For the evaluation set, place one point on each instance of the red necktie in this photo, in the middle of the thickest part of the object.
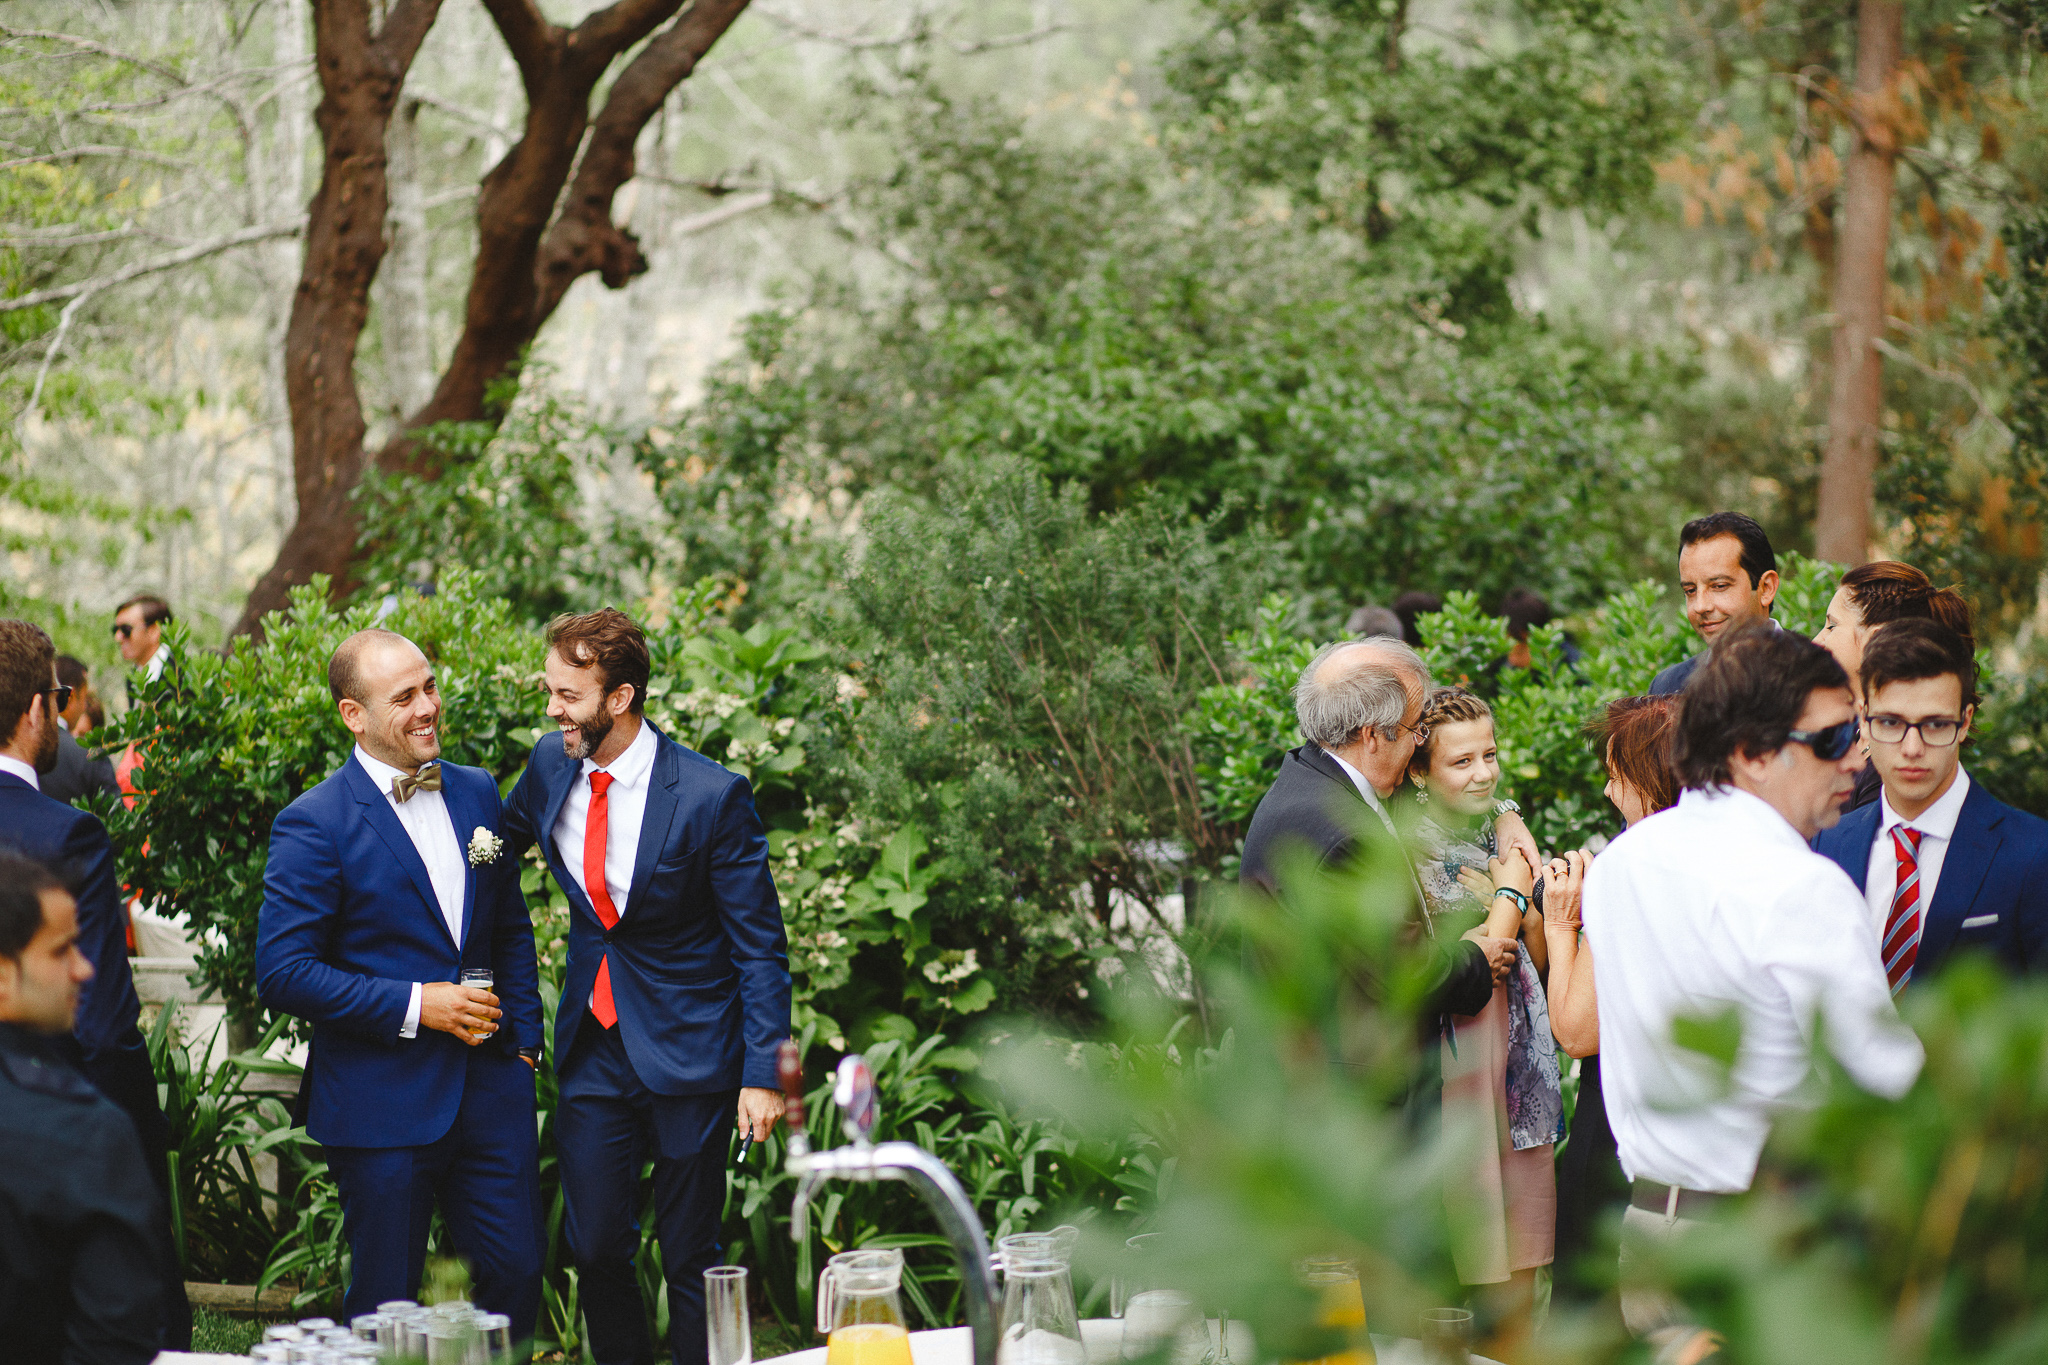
(594, 830)
(1902, 926)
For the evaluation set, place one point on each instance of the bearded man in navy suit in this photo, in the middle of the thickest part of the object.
(385, 882)
(1943, 865)
(677, 993)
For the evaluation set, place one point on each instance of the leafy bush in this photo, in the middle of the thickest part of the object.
(1540, 713)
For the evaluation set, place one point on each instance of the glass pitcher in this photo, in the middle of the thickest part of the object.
(1340, 1304)
(1038, 1324)
(859, 1309)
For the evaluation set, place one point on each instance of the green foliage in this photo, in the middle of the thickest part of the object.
(1540, 712)
(504, 502)
(1147, 333)
(1027, 669)
(1434, 145)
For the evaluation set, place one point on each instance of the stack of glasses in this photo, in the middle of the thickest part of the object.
(398, 1333)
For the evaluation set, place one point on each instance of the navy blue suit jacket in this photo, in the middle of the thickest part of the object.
(1671, 681)
(73, 844)
(350, 921)
(700, 963)
(1995, 871)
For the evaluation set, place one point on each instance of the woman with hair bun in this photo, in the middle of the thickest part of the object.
(1877, 594)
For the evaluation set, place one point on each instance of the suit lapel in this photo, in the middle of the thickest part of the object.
(1857, 838)
(377, 810)
(463, 817)
(1969, 857)
(654, 822)
(558, 792)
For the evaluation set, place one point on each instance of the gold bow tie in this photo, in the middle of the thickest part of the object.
(429, 780)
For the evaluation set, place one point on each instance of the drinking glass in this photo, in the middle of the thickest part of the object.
(310, 1326)
(451, 1339)
(1152, 1318)
(495, 1329)
(729, 1331)
(411, 1332)
(1136, 1274)
(283, 1331)
(393, 1307)
(1446, 1336)
(270, 1353)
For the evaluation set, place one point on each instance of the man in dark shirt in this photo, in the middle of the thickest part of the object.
(81, 1271)
(77, 773)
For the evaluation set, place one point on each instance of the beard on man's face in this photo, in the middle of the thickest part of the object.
(46, 750)
(591, 731)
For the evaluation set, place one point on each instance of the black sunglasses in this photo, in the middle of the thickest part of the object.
(62, 692)
(123, 631)
(1828, 745)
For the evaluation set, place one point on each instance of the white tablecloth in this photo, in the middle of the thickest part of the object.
(1103, 1337)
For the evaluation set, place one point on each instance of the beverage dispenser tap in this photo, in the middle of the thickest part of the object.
(854, 1093)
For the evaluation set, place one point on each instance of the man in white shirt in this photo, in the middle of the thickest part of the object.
(676, 998)
(1945, 867)
(385, 887)
(1718, 906)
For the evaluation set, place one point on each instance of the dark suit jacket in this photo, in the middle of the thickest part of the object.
(700, 963)
(1993, 892)
(1671, 681)
(350, 921)
(1313, 804)
(78, 772)
(73, 844)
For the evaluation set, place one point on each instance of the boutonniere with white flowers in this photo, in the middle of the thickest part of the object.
(484, 847)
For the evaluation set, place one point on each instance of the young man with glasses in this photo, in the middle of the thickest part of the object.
(1943, 865)
(1716, 906)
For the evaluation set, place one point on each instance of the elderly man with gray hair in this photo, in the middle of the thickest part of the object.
(1359, 704)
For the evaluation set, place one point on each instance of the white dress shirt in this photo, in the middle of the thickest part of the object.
(625, 803)
(17, 768)
(1937, 826)
(1718, 903)
(432, 830)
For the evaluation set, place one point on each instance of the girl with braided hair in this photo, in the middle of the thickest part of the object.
(1502, 1085)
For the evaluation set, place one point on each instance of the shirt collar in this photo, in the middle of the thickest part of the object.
(1372, 798)
(629, 767)
(1939, 819)
(155, 668)
(16, 768)
(1732, 802)
(380, 772)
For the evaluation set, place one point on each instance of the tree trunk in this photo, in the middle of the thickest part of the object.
(1856, 402)
(402, 283)
(537, 232)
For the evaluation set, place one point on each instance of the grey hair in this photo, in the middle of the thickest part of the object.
(1371, 694)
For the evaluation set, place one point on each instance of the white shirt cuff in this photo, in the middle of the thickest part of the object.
(411, 1028)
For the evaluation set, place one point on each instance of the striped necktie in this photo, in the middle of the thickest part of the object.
(1902, 926)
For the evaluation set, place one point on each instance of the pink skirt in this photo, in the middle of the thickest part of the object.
(1502, 1203)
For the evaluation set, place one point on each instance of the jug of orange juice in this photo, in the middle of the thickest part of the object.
(859, 1310)
(1341, 1304)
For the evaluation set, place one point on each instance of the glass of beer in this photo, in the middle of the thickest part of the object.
(484, 979)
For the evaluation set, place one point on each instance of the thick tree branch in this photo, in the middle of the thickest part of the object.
(584, 239)
(529, 37)
(154, 265)
(616, 27)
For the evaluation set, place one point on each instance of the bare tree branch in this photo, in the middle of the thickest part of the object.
(99, 149)
(98, 49)
(154, 265)
(969, 48)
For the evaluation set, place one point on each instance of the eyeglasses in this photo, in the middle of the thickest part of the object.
(62, 692)
(123, 631)
(1828, 745)
(1936, 732)
(1421, 732)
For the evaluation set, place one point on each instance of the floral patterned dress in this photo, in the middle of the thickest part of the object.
(1501, 1073)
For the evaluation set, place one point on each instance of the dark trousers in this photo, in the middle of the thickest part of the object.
(123, 1074)
(606, 1125)
(484, 1172)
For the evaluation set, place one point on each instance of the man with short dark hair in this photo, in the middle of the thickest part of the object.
(1728, 574)
(387, 886)
(106, 1045)
(677, 994)
(1717, 906)
(83, 1274)
(1944, 866)
(139, 633)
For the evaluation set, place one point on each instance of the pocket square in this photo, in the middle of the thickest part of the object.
(1979, 921)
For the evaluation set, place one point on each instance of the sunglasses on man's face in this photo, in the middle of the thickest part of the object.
(60, 694)
(1828, 745)
(122, 630)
